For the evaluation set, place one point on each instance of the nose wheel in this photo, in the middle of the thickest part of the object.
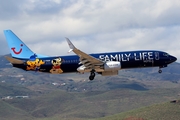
(160, 71)
(92, 75)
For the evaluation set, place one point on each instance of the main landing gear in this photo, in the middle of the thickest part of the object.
(92, 75)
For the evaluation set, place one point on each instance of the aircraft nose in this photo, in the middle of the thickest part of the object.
(173, 59)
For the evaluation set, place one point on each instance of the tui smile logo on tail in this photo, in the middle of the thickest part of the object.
(17, 52)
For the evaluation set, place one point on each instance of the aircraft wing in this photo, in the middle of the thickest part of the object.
(85, 59)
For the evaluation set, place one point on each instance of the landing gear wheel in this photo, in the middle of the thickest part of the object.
(92, 75)
(160, 71)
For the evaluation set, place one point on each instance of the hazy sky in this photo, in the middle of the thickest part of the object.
(92, 25)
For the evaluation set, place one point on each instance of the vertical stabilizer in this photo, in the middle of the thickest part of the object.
(17, 48)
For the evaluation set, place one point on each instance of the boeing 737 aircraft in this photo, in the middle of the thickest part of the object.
(101, 63)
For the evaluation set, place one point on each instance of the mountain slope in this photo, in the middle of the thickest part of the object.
(9, 112)
(164, 111)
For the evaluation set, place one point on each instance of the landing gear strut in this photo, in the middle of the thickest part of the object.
(92, 75)
(160, 71)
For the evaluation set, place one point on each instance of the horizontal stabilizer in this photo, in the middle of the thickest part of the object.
(13, 60)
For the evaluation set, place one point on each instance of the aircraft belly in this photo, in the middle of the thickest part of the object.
(137, 64)
(69, 67)
(72, 67)
(22, 66)
(159, 63)
(63, 68)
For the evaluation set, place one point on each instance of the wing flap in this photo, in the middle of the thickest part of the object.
(107, 73)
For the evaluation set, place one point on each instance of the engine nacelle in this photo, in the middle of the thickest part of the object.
(83, 69)
(112, 66)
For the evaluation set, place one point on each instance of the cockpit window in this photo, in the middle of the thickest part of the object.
(166, 54)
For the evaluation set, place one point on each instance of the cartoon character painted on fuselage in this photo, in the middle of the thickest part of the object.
(34, 65)
(56, 68)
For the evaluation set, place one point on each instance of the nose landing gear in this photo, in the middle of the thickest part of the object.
(160, 71)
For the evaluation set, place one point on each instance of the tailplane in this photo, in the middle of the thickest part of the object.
(13, 60)
(17, 48)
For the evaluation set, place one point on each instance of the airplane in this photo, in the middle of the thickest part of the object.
(105, 64)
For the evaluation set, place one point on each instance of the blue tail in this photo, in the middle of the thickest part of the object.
(17, 48)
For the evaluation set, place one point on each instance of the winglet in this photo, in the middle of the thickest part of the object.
(72, 47)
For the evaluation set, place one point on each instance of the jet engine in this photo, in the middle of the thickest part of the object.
(112, 66)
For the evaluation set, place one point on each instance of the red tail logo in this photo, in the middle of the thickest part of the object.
(17, 52)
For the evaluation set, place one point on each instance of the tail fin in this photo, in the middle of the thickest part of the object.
(17, 48)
